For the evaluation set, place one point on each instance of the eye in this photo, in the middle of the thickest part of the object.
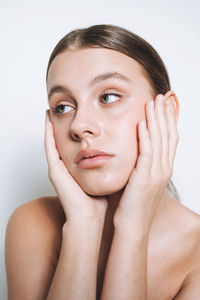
(61, 109)
(112, 97)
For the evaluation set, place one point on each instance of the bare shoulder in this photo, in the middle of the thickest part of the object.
(188, 250)
(178, 242)
(43, 216)
(45, 209)
(188, 234)
(39, 218)
(190, 220)
(32, 246)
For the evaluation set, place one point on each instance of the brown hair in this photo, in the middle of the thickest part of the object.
(122, 40)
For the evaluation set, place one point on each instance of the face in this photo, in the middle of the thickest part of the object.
(100, 114)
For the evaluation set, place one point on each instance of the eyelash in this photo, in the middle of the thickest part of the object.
(56, 108)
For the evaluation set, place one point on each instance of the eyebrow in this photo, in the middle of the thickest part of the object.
(97, 79)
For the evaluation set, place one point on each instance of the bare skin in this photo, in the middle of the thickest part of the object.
(172, 254)
(121, 223)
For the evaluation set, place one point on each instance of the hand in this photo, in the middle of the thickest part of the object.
(148, 180)
(76, 203)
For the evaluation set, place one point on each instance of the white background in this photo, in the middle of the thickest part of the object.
(29, 30)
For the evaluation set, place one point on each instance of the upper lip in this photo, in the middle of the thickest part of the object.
(88, 153)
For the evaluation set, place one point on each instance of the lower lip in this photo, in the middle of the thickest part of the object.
(93, 162)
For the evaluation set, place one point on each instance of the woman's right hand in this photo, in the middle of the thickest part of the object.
(77, 205)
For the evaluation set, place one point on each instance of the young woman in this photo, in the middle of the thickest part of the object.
(116, 229)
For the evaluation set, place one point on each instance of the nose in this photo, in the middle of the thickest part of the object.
(85, 124)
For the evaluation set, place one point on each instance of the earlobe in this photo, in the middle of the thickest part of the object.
(171, 98)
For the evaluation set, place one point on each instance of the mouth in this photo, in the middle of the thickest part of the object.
(93, 161)
(89, 153)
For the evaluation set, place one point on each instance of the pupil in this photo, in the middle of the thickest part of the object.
(60, 108)
(104, 98)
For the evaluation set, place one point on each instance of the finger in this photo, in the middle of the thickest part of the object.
(173, 133)
(49, 142)
(162, 121)
(63, 183)
(155, 137)
(143, 167)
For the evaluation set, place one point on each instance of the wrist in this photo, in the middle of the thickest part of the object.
(83, 225)
(135, 223)
(138, 230)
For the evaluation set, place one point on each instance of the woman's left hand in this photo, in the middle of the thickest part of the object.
(148, 181)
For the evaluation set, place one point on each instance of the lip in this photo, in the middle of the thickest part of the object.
(93, 162)
(88, 154)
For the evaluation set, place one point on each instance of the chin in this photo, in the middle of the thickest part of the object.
(102, 190)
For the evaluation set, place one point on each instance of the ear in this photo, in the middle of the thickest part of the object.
(171, 98)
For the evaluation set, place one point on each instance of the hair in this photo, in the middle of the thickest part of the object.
(122, 40)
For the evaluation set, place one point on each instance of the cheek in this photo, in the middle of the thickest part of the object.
(113, 176)
(128, 146)
(121, 138)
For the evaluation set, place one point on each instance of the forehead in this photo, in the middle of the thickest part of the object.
(84, 64)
